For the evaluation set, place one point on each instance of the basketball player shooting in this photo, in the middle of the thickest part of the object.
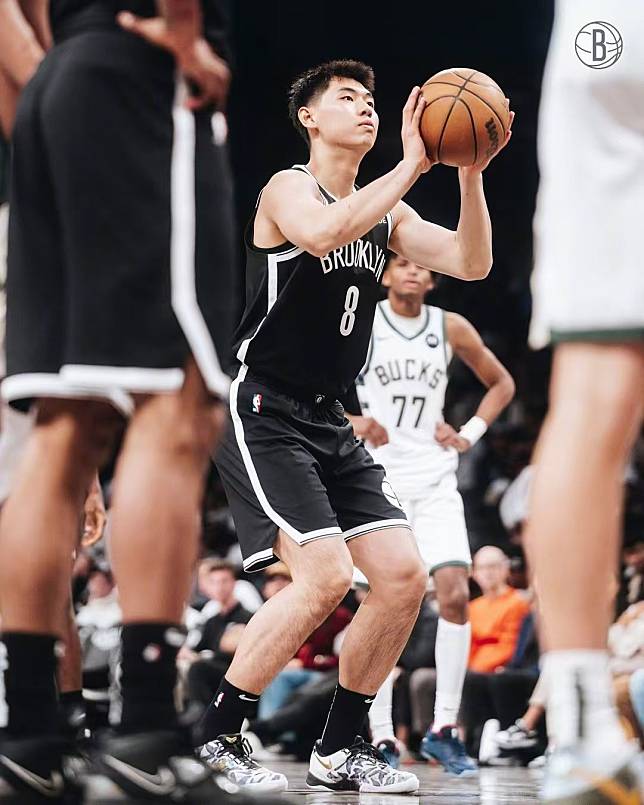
(401, 394)
(299, 485)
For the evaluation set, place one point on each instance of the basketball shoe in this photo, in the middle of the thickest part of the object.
(231, 756)
(36, 770)
(447, 748)
(359, 767)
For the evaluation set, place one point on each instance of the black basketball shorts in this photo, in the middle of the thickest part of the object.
(121, 225)
(296, 465)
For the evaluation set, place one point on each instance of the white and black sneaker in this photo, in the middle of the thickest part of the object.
(517, 736)
(157, 766)
(360, 767)
(35, 770)
(231, 756)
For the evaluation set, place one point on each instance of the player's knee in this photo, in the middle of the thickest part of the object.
(453, 604)
(333, 582)
(410, 580)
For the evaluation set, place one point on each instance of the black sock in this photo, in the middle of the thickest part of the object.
(226, 712)
(346, 717)
(149, 675)
(30, 683)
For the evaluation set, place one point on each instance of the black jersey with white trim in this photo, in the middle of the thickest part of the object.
(307, 322)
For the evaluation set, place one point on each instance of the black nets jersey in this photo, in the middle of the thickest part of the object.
(307, 322)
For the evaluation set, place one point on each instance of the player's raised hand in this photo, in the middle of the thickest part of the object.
(208, 74)
(508, 134)
(414, 150)
(369, 430)
(446, 436)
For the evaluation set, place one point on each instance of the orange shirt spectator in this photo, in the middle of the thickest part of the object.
(497, 615)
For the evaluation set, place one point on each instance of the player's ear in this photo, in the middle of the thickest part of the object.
(306, 117)
(386, 282)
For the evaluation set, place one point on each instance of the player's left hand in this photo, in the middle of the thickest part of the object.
(483, 165)
(95, 518)
(446, 436)
(198, 62)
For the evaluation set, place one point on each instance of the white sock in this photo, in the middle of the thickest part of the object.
(452, 654)
(380, 722)
(581, 704)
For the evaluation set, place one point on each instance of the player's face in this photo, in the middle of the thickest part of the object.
(344, 114)
(219, 585)
(407, 280)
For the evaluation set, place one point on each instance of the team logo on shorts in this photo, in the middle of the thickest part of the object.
(388, 492)
(257, 403)
(432, 340)
(599, 45)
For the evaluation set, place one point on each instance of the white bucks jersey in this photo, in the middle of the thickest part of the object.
(402, 386)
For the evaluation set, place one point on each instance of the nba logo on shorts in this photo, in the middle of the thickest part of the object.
(257, 403)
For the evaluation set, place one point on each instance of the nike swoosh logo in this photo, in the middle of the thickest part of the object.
(245, 698)
(48, 787)
(326, 763)
(163, 782)
(612, 789)
(370, 701)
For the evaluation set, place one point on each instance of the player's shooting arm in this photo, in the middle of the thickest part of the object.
(465, 253)
(469, 346)
(20, 49)
(292, 202)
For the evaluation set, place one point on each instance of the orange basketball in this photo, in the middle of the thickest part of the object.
(466, 117)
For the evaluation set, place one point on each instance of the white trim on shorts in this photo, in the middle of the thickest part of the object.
(376, 525)
(183, 246)
(134, 379)
(297, 536)
(182, 281)
(44, 384)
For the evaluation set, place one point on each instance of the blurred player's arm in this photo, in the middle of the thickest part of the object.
(179, 30)
(365, 427)
(469, 346)
(24, 37)
(291, 208)
(21, 51)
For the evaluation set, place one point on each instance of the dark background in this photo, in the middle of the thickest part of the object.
(406, 43)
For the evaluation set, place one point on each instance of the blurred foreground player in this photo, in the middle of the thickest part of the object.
(300, 486)
(401, 393)
(589, 299)
(118, 291)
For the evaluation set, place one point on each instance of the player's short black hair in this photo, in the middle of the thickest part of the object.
(316, 79)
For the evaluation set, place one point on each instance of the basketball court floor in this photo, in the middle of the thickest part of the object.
(493, 786)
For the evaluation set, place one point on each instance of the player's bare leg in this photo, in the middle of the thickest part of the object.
(38, 533)
(158, 490)
(321, 573)
(452, 653)
(597, 394)
(372, 645)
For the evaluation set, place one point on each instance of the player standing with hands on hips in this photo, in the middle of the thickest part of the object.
(300, 486)
(401, 395)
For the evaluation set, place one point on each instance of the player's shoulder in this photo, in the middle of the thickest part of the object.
(289, 178)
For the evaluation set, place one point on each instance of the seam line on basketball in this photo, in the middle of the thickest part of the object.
(474, 137)
(447, 117)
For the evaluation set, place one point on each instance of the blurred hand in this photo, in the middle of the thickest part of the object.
(414, 150)
(446, 436)
(195, 58)
(95, 517)
(369, 430)
(483, 165)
